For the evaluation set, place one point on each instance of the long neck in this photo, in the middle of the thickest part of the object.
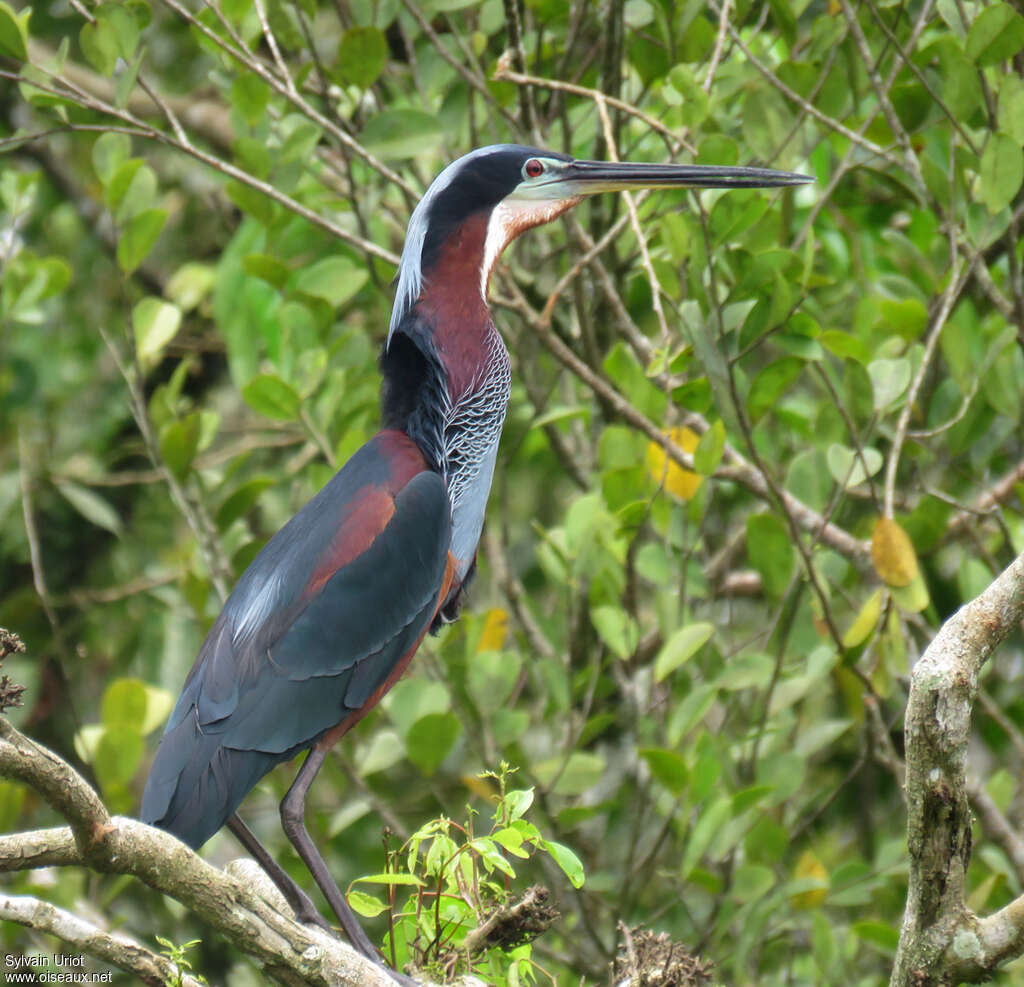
(448, 380)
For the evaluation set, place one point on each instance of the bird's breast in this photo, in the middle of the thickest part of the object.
(471, 436)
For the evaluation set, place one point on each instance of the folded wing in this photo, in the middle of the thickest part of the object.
(318, 626)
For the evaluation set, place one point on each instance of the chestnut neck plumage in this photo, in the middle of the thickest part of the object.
(447, 380)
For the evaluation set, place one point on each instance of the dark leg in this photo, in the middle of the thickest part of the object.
(300, 902)
(293, 821)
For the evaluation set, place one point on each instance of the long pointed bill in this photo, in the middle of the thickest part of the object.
(590, 177)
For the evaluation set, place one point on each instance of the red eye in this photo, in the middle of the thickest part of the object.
(533, 168)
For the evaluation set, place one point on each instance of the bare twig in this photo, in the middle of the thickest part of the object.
(957, 279)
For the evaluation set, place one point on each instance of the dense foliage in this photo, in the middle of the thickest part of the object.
(699, 672)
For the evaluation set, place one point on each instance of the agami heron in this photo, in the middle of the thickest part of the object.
(327, 616)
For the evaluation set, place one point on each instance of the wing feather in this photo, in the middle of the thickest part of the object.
(316, 626)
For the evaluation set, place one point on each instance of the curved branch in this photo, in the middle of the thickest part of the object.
(292, 953)
(939, 935)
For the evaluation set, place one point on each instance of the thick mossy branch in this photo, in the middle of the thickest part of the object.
(941, 942)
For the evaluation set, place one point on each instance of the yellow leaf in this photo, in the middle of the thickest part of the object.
(492, 638)
(677, 481)
(810, 868)
(480, 787)
(893, 554)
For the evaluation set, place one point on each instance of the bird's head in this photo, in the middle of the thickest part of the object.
(510, 188)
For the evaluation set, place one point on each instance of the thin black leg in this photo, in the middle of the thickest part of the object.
(300, 902)
(293, 821)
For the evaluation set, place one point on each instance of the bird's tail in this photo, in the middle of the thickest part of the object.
(196, 783)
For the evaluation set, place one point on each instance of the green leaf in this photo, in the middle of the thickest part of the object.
(961, 87)
(574, 776)
(241, 501)
(491, 677)
(511, 840)
(617, 629)
(748, 797)
(996, 34)
(707, 827)
(122, 20)
(159, 703)
(138, 238)
(567, 860)
(155, 323)
(413, 698)
(271, 396)
(708, 454)
(362, 55)
(518, 802)
(880, 934)
(301, 142)
(365, 904)
(706, 771)
(402, 134)
(667, 767)
(91, 506)
(14, 32)
(267, 268)
(132, 190)
(820, 735)
(694, 100)
(865, 621)
(749, 671)
(56, 276)
(190, 284)
(127, 79)
(334, 279)
(752, 881)
(844, 346)
(118, 755)
(124, 703)
(383, 750)
(392, 880)
(914, 597)
(251, 201)
(1002, 171)
(1011, 107)
(848, 468)
(250, 96)
(179, 442)
(771, 384)
(431, 740)
(101, 46)
(681, 647)
(770, 552)
(889, 379)
(108, 154)
(766, 120)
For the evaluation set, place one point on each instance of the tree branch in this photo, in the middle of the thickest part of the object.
(941, 942)
(291, 953)
(114, 948)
